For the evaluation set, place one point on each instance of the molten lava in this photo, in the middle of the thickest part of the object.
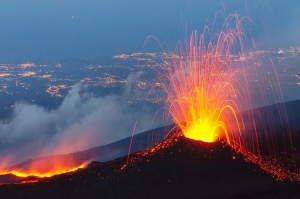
(203, 88)
(37, 173)
(208, 86)
(45, 167)
(208, 133)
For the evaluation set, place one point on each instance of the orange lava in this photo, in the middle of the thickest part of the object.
(45, 167)
(37, 173)
(203, 88)
(209, 97)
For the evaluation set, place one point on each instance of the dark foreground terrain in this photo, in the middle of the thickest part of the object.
(175, 168)
(104, 153)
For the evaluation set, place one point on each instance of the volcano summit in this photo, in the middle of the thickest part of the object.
(176, 167)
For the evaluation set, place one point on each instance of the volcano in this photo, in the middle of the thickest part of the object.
(175, 167)
(46, 165)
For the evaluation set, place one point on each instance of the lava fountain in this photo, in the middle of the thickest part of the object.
(208, 86)
(203, 88)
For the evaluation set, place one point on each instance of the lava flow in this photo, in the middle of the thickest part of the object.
(209, 97)
(45, 167)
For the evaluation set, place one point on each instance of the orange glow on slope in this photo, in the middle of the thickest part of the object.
(37, 173)
(45, 167)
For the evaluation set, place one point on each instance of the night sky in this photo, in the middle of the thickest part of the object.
(37, 30)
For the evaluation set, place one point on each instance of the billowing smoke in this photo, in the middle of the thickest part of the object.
(77, 124)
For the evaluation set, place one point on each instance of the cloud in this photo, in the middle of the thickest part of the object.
(78, 124)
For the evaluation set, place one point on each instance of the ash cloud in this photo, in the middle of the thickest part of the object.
(78, 124)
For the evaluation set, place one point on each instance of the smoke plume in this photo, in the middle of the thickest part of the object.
(77, 124)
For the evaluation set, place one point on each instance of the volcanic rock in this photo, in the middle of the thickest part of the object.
(177, 167)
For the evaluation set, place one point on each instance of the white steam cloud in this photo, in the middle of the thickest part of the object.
(77, 124)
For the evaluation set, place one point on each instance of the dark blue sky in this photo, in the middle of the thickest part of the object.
(57, 29)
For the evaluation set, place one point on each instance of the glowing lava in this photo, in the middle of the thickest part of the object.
(208, 87)
(203, 88)
(45, 167)
(40, 174)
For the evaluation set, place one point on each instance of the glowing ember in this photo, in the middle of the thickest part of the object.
(37, 173)
(204, 86)
(209, 97)
(45, 167)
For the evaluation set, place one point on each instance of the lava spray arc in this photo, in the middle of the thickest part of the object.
(209, 87)
(204, 86)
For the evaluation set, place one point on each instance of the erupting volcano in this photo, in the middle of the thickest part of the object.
(203, 89)
(206, 86)
(210, 97)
